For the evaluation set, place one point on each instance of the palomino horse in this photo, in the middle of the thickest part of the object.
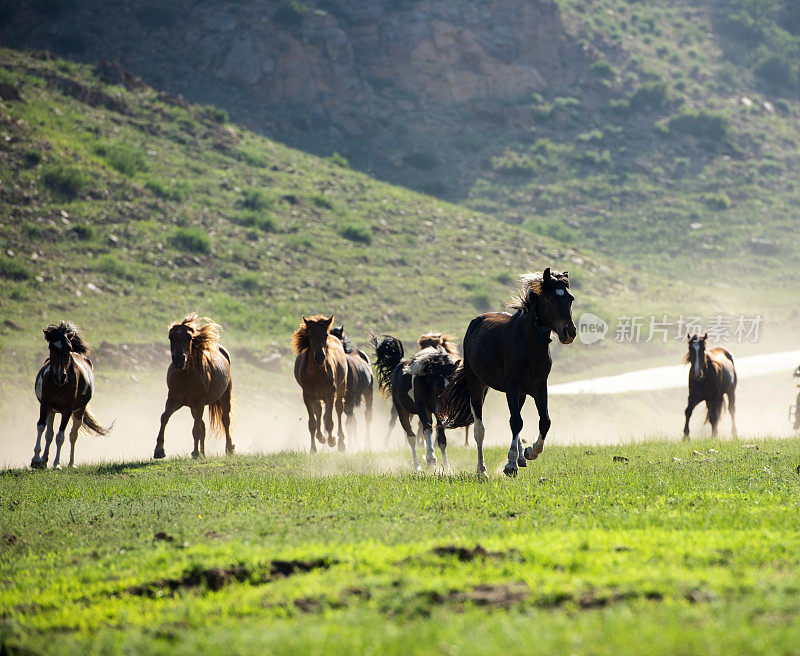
(198, 376)
(415, 386)
(321, 371)
(64, 384)
(511, 353)
(712, 375)
(360, 383)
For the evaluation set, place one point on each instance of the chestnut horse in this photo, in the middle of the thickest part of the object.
(321, 371)
(198, 376)
(711, 377)
(360, 384)
(64, 385)
(415, 386)
(511, 353)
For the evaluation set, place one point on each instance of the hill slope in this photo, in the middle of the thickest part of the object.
(124, 208)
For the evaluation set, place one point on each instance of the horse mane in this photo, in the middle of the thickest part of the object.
(69, 331)
(300, 339)
(347, 344)
(205, 336)
(530, 286)
(428, 361)
(439, 340)
(687, 358)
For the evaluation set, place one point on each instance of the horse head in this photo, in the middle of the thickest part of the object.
(64, 339)
(696, 356)
(555, 308)
(180, 344)
(317, 330)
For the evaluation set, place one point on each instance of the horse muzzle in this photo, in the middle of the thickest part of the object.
(60, 378)
(179, 361)
(567, 334)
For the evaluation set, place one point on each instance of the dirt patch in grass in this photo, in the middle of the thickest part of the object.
(216, 578)
(466, 555)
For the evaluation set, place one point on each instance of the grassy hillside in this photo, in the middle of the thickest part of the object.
(123, 208)
(677, 151)
(673, 548)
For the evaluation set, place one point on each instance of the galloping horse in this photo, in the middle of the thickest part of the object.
(415, 386)
(511, 353)
(64, 384)
(360, 383)
(198, 376)
(321, 371)
(711, 376)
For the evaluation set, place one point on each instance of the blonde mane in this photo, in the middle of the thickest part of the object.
(530, 286)
(300, 340)
(205, 336)
(439, 340)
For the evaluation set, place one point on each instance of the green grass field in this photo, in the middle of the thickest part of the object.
(680, 549)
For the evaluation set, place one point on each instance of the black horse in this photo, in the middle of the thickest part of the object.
(511, 353)
(712, 377)
(360, 383)
(415, 385)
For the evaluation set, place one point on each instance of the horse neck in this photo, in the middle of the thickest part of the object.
(537, 337)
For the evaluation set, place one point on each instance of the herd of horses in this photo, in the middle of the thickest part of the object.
(505, 351)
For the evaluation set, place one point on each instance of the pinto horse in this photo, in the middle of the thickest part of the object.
(199, 375)
(711, 377)
(64, 385)
(360, 383)
(415, 386)
(511, 354)
(320, 369)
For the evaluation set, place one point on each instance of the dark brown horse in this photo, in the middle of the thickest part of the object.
(198, 376)
(712, 376)
(511, 353)
(64, 385)
(415, 386)
(360, 384)
(321, 371)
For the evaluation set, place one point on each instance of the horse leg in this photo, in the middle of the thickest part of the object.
(340, 424)
(512, 397)
(476, 397)
(426, 426)
(540, 398)
(466, 436)
(318, 416)
(169, 409)
(48, 438)
(411, 438)
(797, 413)
(225, 406)
(368, 396)
(713, 415)
(392, 422)
(44, 418)
(77, 421)
(198, 432)
(441, 440)
(691, 404)
(328, 419)
(60, 437)
(350, 414)
(313, 421)
(732, 411)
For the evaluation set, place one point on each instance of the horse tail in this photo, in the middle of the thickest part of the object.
(456, 410)
(716, 406)
(215, 418)
(389, 353)
(91, 426)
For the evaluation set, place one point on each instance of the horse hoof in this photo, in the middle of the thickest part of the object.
(56, 466)
(431, 461)
(342, 447)
(38, 464)
(231, 450)
(482, 475)
(159, 453)
(320, 438)
(510, 469)
(195, 455)
(522, 462)
(531, 453)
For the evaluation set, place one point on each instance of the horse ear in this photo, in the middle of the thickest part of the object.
(546, 278)
(688, 337)
(330, 321)
(305, 321)
(705, 337)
